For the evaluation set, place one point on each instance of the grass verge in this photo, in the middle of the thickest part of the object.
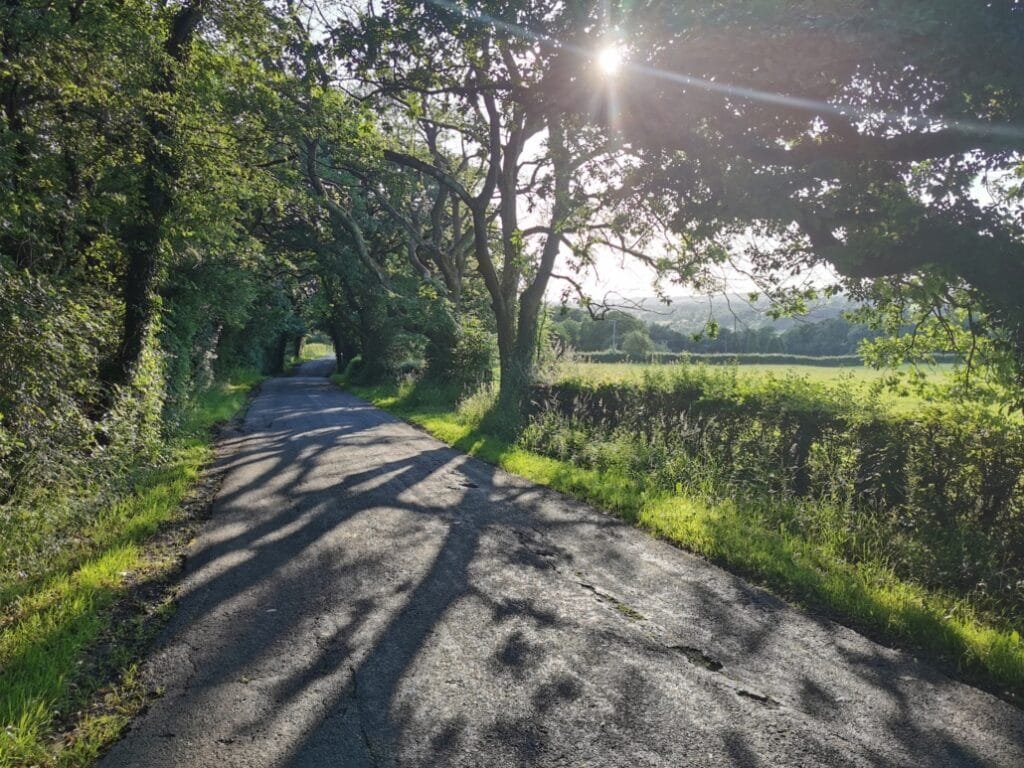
(867, 596)
(69, 646)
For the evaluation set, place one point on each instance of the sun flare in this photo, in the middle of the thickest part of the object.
(610, 59)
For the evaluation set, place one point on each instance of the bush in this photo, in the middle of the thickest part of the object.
(476, 406)
(411, 368)
(940, 494)
(56, 425)
(64, 445)
(351, 369)
(464, 360)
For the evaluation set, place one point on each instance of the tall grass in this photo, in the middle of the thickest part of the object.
(49, 622)
(936, 494)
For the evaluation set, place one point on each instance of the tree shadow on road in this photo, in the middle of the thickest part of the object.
(262, 574)
(342, 544)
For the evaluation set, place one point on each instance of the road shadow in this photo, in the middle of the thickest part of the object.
(344, 549)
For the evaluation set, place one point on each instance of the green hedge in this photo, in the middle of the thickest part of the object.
(669, 358)
(941, 490)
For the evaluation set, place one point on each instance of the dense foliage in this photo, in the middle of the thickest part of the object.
(936, 494)
(190, 188)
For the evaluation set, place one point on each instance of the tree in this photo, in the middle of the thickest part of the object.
(142, 236)
(880, 137)
(139, 278)
(637, 344)
(472, 84)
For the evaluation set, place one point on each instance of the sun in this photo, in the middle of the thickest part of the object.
(610, 59)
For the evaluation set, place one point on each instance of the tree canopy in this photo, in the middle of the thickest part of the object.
(883, 139)
(188, 187)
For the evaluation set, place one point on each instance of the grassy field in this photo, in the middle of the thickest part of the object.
(897, 389)
(860, 377)
(745, 536)
(51, 680)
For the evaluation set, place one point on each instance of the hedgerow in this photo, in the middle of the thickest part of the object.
(739, 358)
(937, 495)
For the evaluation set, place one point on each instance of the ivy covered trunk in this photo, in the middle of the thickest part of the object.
(142, 239)
(516, 377)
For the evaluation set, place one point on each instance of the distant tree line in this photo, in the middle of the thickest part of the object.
(623, 332)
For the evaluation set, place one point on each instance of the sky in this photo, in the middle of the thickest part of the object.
(617, 277)
(613, 276)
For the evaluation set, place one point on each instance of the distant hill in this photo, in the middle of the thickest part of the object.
(743, 327)
(689, 314)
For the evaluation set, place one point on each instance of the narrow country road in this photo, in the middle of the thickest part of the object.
(365, 596)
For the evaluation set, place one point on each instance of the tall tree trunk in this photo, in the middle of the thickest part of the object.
(142, 239)
(514, 367)
(279, 354)
(344, 350)
(519, 352)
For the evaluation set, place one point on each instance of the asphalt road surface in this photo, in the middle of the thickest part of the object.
(366, 596)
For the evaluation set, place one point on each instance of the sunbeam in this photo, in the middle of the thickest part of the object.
(811, 106)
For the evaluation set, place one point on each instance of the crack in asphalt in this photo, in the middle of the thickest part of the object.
(760, 698)
(626, 610)
(698, 658)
